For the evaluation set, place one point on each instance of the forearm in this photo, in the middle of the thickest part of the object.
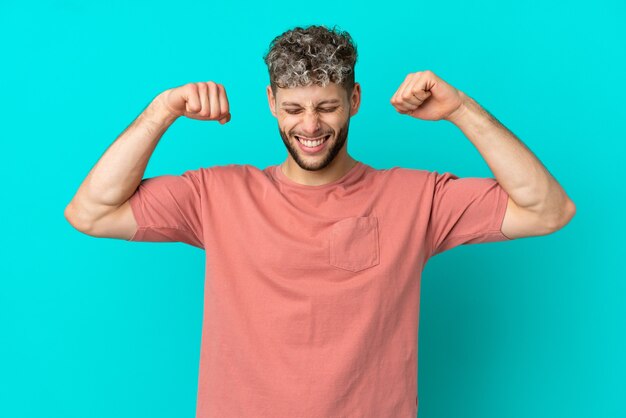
(515, 167)
(117, 174)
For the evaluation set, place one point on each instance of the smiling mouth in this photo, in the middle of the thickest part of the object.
(312, 142)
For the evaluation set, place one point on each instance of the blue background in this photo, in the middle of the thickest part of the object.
(92, 327)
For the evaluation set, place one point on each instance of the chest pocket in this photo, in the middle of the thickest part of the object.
(354, 243)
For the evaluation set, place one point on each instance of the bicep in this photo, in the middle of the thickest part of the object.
(119, 223)
(519, 222)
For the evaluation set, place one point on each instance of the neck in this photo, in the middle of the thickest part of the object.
(338, 168)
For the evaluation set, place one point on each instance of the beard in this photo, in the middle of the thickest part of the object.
(334, 145)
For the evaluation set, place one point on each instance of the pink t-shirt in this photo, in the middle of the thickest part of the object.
(311, 303)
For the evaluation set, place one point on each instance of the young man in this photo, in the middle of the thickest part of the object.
(313, 266)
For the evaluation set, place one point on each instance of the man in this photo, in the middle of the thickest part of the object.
(313, 266)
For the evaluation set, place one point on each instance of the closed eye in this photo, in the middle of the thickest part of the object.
(325, 110)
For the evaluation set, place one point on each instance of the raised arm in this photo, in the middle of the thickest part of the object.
(537, 203)
(100, 206)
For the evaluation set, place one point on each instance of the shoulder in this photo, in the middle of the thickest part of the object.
(412, 177)
(227, 173)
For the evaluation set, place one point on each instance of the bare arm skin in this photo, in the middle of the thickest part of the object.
(537, 203)
(100, 206)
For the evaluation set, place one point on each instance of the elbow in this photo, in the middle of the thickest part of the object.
(72, 216)
(564, 216)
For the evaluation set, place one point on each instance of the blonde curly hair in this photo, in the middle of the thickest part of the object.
(317, 55)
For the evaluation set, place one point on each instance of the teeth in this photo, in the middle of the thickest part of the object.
(311, 143)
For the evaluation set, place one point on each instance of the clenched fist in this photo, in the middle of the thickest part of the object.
(424, 95)
(202, 101)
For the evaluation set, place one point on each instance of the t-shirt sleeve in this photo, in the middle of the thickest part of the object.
(466, 210)
(168, 208)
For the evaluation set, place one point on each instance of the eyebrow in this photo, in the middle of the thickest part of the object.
(332, 101)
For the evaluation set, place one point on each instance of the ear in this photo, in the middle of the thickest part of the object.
(355, 100)
(271, 100)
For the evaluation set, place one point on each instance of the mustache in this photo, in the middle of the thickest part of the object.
(312, 136)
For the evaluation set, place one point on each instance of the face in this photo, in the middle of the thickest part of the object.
(313, 122)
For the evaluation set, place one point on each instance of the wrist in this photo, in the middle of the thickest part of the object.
(460, 112)
(160, 112)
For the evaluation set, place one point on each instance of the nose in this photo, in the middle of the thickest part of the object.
(310, 123)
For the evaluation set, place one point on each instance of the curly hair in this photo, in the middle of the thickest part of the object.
(316, 55)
